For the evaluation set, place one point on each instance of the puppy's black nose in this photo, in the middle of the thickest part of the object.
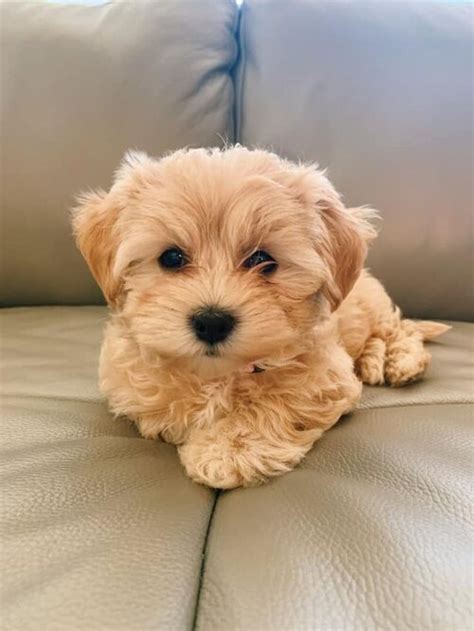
(212, 325)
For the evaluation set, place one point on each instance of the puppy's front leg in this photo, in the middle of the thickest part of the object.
(268, 434)
(228, 454)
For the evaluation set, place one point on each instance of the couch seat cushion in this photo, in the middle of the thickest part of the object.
(103, 530)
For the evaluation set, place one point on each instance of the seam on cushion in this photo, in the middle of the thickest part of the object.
(232, 70)
(16, 398)
(410, 405)
(52, 397)
(203, 560)
(238, 75)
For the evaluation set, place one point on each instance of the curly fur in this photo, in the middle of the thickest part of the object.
(317, 327)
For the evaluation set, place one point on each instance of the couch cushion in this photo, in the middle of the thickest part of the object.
(372, 532)
(79, 86)
(100, 528)
(103, 530)
(382, 94)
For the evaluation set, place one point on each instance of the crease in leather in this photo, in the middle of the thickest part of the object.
(53, 397)
(46, 449)
(100, 403)
(71, 517)
(232, 69)
(415, 404)
(202, 569)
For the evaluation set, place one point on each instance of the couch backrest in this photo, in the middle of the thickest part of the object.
(79, 86)
(381, 93)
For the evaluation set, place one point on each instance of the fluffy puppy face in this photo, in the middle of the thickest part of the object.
(214, 260)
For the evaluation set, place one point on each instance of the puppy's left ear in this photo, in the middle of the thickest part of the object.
(342, 234)
(343, 245)
(94, 224)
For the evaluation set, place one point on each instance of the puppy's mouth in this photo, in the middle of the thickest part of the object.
(212, 352)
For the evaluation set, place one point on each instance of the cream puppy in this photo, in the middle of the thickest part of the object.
(242, 322)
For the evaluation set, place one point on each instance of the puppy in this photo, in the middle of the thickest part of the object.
(242, 322)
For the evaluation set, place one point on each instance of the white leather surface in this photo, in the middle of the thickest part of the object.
(101, 529)
(372, 532)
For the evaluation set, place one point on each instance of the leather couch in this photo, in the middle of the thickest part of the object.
(100, 528)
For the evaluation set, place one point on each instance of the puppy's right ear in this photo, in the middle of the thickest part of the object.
(94, 223)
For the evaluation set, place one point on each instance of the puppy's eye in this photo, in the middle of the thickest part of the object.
(173, 258)
(261, 258)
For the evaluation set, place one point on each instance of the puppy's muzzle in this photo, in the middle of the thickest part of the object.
(212, 325)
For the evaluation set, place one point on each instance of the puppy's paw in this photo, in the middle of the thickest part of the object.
(370, 365)
(232, 463)
(219, 466)
(208, 467)
(149, 427)
(404, 366)
(207, 464)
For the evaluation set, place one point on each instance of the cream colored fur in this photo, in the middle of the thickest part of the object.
(318, 326)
